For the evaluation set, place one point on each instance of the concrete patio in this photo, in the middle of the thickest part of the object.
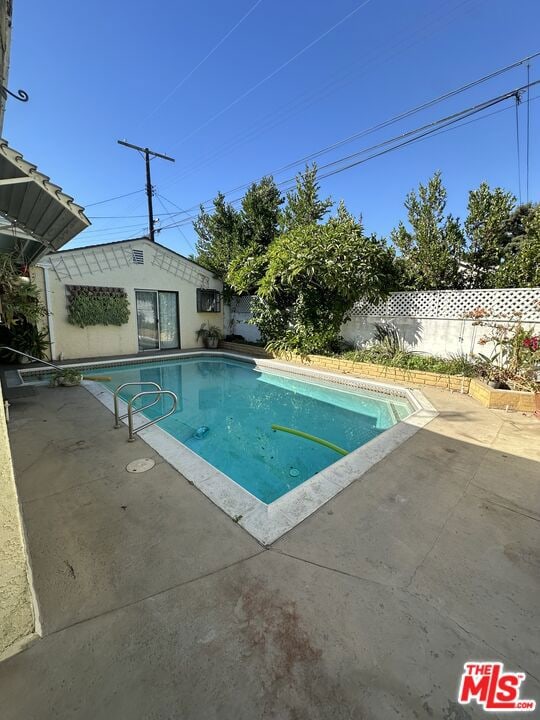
(155, 605)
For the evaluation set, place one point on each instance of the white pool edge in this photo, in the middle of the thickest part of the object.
(267, 523)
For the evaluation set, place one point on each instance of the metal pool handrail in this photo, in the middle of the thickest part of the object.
(43, 362)
(130, 412)
(140, 383)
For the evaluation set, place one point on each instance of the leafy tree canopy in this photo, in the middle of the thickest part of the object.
(432, 248)
(260, 212)
(220, 236)
(225, 233)
(304, 206)
(488, 229)
(522, 268)
(310, 278)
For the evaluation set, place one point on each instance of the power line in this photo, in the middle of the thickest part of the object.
(117, 197)
(401, 140)
(518, 147)
(122, 217)
(160, 199)
(528, 125)
(305, 100)
(387, 123)
(272, 74)
(438, 131)
(201, 62)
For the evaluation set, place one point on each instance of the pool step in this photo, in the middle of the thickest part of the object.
(12, 379)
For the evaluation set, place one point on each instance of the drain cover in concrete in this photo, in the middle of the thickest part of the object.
(141, 465)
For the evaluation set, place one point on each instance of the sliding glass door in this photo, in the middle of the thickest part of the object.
(147, 319)
(168, 320)
(157, 320)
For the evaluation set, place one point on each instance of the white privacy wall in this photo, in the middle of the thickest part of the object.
(431, 321)
(236, 317)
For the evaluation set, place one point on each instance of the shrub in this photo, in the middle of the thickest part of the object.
(379, 354)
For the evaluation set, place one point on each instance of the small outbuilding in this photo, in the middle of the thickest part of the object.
(125, 297)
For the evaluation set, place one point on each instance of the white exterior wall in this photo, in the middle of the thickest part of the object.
(16, 611)
(237, 319)
(432, 322)
(112, 266)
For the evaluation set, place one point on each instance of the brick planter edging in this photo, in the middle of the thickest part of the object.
(501, 399)
(479, 390)
(350, 367)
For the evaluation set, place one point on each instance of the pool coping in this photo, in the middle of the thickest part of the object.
(268, 522)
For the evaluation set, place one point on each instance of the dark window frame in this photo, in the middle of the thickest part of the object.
(212, 304)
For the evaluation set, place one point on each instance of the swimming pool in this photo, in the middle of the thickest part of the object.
(227, 408)
(266, 481)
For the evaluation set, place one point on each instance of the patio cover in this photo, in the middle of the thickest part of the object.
(40, 217)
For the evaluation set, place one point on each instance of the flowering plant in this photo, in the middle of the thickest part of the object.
(515, 350)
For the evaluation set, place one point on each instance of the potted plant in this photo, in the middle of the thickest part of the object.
(213, 337)
(210, 335)
(70, 377)
(202, 334)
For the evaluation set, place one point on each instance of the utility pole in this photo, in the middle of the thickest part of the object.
(146, 152)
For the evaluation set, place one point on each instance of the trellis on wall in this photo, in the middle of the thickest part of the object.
(455, 304)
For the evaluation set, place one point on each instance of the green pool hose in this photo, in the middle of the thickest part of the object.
(307, 436)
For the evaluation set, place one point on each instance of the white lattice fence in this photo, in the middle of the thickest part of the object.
(454, 304)
(433, 322)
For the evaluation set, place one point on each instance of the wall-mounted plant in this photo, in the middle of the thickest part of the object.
(89, 305)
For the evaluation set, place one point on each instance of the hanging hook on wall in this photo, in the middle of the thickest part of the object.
(21, 95)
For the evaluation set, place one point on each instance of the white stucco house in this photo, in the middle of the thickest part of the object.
(168, 296)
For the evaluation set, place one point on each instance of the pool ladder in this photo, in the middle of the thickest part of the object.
(158, 392)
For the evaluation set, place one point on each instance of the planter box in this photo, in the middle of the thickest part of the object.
(253, 350)
(501, 399)
(349, 367)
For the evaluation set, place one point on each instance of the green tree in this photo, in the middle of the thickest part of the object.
(431, 249)
(522, 267)
(309, 280)
(303, 205)
(488, 229)
(220, 236)
(260, 212)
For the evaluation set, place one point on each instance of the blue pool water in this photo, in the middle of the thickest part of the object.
(238, 403)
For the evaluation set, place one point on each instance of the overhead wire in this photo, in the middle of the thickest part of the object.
(117, 197)
(387, 123)
(309, 98)
(160, 199)
(200, 63)
(272, 74)
(528, 145)
(518, 153)
(437, 131)
(402, 140)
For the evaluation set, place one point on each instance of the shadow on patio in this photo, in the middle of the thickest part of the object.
(155, 604)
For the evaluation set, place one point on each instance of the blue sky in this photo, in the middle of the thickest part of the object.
(97, 72)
